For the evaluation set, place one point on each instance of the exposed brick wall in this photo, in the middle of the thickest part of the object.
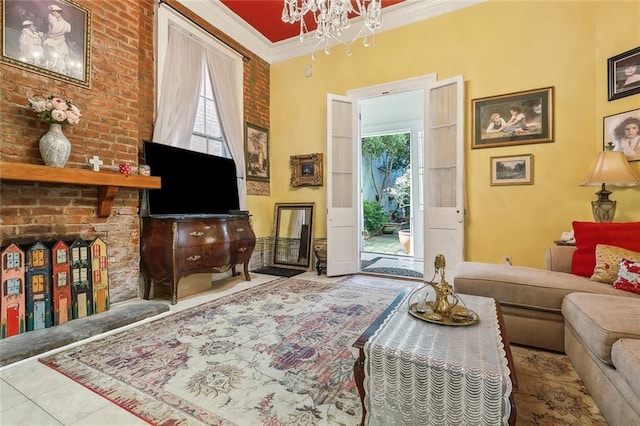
(117, 114)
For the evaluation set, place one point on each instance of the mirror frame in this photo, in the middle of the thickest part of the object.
(279, 207)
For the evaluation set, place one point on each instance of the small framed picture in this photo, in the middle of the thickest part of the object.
(513, 119)
(623, 131)
(512, 170)
(51, 38)
(623, 72)
(256, 145)
(306, 170)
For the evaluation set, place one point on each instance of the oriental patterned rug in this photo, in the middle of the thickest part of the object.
(280, 354)
(277, 354)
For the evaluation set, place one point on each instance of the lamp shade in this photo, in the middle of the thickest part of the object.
(611, 168)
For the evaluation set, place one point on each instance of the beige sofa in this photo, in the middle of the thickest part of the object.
(598, 326)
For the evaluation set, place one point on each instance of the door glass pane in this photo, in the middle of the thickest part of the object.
(342, 156)
(442, 147)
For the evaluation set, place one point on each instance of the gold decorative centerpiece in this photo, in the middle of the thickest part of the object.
(442, 305)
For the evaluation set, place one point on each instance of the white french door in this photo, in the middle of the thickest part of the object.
(343, 243)
(441, 175)
(444, 175)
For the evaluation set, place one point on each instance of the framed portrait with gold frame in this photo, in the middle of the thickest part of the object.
(306, 170)
(52, 38)
(513, 119)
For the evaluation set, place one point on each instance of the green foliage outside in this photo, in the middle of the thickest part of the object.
(393, 151)
(374, 217)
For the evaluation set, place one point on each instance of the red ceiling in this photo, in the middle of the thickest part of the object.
(265, 17)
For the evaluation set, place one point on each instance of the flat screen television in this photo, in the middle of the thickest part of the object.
(192, 183)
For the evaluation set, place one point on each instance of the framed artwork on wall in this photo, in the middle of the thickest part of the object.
(513, 119)
(623, 74)
(256, 145)
(51, 38)
(512, 170)
(623, 131)
(306, 170)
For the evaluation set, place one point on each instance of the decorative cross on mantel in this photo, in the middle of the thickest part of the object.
(97, 162)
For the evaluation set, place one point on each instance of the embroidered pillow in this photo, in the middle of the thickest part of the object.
(628, 276)
(607, 260)
(589, 234)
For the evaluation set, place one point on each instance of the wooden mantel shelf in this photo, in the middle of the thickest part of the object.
(108, 183)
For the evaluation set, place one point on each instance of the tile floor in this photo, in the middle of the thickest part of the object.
(388, 250)
(34, 394)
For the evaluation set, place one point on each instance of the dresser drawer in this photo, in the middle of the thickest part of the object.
(199, 233)
(203, 257)
(240, 229)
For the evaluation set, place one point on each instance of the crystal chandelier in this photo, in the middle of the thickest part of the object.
(332, 19)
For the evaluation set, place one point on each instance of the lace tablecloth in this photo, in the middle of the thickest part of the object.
(419, 373)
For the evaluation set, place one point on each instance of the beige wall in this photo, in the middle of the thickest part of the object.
(499, 47)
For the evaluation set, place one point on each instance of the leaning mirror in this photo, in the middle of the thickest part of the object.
(293, 229)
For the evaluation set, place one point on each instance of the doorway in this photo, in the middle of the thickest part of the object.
(437, 175)
(391, 128)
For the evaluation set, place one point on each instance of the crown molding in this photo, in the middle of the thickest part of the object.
(398, 15)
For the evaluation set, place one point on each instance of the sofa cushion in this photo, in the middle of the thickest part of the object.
(525, 287)
(625, 354)
(607, 259)
(589, 234)
(628, 278)
(600, 320)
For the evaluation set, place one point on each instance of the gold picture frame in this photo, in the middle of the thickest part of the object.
(512, 170)
(532, 113)
(26, 42)
(306, 170)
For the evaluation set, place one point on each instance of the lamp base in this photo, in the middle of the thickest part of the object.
(603, 208)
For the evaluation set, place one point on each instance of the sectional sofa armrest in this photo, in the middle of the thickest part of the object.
(558, 258)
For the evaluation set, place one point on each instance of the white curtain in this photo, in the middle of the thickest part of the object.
(226, 82)
(179, 89)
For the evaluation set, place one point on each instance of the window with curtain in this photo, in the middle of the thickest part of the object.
(207, 133)
(199, 93)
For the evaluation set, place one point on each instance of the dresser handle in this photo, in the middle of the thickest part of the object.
(196, 233)
(240, 229)
(193, 258)
(242, 249)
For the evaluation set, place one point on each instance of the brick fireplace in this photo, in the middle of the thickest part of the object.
(117, 114)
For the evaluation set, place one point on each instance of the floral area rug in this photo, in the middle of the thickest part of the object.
(276, 354)
(550, 392)
(280, 354)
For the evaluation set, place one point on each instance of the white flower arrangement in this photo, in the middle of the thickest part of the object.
(56, 110)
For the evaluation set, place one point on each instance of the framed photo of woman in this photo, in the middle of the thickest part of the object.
(623, 131)
(624, 74)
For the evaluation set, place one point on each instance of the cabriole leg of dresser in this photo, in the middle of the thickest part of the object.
(174, 295)
(246, 271)
(147, 288)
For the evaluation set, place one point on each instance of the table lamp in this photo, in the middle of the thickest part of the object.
(609, 167)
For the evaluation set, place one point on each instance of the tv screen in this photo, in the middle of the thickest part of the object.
(192, 183)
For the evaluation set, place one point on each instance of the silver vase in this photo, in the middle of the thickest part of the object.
(55, 148)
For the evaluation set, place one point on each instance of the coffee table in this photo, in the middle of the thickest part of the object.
(359, 364)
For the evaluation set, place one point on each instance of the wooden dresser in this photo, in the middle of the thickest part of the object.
(173, 247)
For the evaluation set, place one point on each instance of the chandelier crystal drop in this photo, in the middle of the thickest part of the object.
(332, 20)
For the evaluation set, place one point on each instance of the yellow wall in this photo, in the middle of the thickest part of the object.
(499, 47)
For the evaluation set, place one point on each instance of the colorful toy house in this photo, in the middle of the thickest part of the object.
(12, 298)
(81, 294)
(38, 286)
(61, 274)
(99, 275)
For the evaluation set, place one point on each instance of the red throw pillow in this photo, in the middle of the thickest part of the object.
(628, 276)
(589, 234)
